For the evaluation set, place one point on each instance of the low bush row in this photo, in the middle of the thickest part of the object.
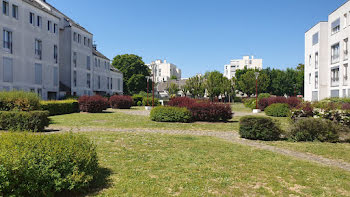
(203, 110)
(60, 107)
(19, 101)
(93, 104)
(292, 102)
(121, 102)
(34, 121)
(171, 114)
(44, 165)
(141, 100)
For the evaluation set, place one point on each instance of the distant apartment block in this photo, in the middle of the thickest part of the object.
(163, 70)
(247, 61)
(326, 57)
(46, 52)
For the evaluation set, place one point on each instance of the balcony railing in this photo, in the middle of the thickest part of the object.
(335, 82)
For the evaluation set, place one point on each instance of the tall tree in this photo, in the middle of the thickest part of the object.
(214, 83)
(130, 65)
(247, 83)
(173, 89)
(195, 86)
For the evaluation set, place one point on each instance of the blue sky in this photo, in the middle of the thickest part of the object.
(201, 35)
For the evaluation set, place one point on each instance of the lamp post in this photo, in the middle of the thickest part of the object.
(148, 77)
(153, 73)
(256, 85)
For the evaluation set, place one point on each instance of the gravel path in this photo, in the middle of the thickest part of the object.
(228, 136)
(136, 112)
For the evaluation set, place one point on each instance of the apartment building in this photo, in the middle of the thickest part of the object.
(29, 52)
(247, 61)
(106, 80)
(326, 57)
(164, 71)
(47, 52)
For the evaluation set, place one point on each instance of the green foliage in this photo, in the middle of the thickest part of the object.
(150, 100)
(19, 101)
(237, 99)
(315, 129)
(170, 114)
(173, 77)
(60, 107)
(247, 82)
(195, 86)
(173, 89)
(130, 65)
(214, 83)
(259, 128)
(278, 110)
(263, 95)
(43, 165)
(250, 103)
(139, 103)
(34, 121)
(137, 98)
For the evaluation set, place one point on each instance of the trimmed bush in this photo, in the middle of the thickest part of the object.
(278, 110)
(60, 107)
(19, 101)
(259, 128)
(150, 100)
(316, 129)
(44, 165)
(34, 121)
(263, 103)
(181, 102)
(211, 112)
(121, 102)
(93, 104)
(137, 98)
(170, 114)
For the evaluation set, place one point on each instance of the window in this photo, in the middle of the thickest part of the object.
(119, 84)
(335, 76)
(315, 39)
(31, 18)
(309, 78)
(38, 21)
(49, 24)
(99, 63)
(335, 26)
(105, 65)
(75, 37)
(5, 8)
(75, 78)
(8, 70)
(345, 73)
(95, 62)
(15, 11)
(345, 20)
(38, 74)
(88, 80)
(55, 53)
(316, 80)
(310, 60)
(335, 53)
(88, 63)
(88, 42)
(316, 60)
(107, 82)
(79, 38)
(54, 28)
(75, 59)
(38, 49)
(111, 83)
(99, 82)
(7, 40)
(55, 76)
(84, 41)
(346, 51)
(160, 72)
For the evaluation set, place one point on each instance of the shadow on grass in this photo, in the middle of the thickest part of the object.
(102, 181)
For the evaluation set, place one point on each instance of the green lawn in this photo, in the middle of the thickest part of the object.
(339, 151)
(239, 107)
(168, 165)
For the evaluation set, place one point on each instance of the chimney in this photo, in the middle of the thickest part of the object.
(94, 46)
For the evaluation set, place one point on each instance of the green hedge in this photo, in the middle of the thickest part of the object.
(44, 165)
(60, 107)
(19, 101)
(170, 114)
(150, 99)
(259, 128)
(34, 121)
(317, 129)
(137, 98)
(278, 110)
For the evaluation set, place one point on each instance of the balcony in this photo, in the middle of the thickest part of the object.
(335, 59)
(345, 80)
(335, 82)
(346, 55)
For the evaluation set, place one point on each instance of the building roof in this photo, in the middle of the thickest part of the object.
(99, 54)
(40, 7)
(162, 86)
(115, 70)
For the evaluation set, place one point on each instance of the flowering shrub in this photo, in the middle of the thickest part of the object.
(121, 102)
(93, 104)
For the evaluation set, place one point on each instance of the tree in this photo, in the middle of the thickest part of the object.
(195, 86)
(247, 82)
(129, 65)
(214, 83)
(173, 77)
(300, 79)
(173, 89)
(228, 88)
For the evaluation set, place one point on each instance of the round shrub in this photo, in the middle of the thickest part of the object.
(259, 128)
(137, 98)
(139, 103)
(19, 101)
(264, 95)
(278, 110)
(93, 104)
(121, 102)
(44, 165)
(316, 129)
(170, 114)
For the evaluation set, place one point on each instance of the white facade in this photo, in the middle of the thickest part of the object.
(29, 49)
(326, 57)
(249, 62)
(163, 71)
(45, 51)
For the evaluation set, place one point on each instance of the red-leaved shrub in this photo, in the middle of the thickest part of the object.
(93, 104)
(263, 103)
(121, 102)
(204, 110)
(346, 106)
(293, 102)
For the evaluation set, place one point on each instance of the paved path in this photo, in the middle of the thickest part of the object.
(228, 136)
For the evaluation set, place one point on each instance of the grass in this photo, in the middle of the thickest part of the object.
(168, 165)
(239, 107)
(338, 151)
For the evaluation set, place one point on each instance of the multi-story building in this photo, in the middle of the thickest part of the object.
(45, 51)
(29, 51)
(247, 61)
(164, 71)
(326, 57)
